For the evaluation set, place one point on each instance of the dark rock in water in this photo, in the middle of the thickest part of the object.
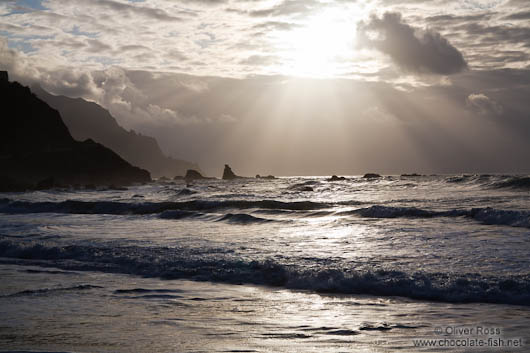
(228, 174)
(306, 188)
(411, 175)
(265, 177)
(336, 178)
(36, 145)
(178, 177)
(371, 176)
(192, 174)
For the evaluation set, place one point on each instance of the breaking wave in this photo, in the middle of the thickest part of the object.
(124, 208)
(493, 181)
(182, 263)
(486, 215)
(242, 218)
(522, 183)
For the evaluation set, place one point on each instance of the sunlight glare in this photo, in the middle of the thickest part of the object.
(320, 48)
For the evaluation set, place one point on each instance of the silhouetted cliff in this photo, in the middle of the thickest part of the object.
(35, 144)
(89, 120)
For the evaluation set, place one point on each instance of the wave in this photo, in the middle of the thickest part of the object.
(180, 214)
(147, 291)
(492, 181)
(123, 208)
(181, 263)
(186, 192)
(522, 183)
(242, 218)
(486, 215)
(42, 291)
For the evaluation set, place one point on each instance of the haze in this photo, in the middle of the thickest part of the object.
(293, 87)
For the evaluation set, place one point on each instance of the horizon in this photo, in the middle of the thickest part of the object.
(289, 87)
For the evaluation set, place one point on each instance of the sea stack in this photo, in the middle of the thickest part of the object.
(228, 174)
(192, 174)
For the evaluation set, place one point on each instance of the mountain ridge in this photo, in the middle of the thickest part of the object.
(36, 148)
(87, 119)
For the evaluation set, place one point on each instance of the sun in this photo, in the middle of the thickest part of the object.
(319, 48)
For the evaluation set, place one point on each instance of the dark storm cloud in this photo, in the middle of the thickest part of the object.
(413, 50)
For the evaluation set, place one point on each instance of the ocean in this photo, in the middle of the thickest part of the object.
(294, 264)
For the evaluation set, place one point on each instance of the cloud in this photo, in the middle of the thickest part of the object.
(497, 34)
(483, 104)
(288, 8)
(412, 49)
(277, 25)
(260, 60)
(523, 15)
(128, 9)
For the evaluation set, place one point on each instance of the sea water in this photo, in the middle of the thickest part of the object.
(298, 264)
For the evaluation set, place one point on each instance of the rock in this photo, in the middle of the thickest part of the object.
(228, 174)
(8, 184)
(4, 76)
(411, 175)
(47, 183)
(117, 188)
(265, 177)
(36, 145)
(371, 176)
(336, 178)
(306, 188)
(192, 174)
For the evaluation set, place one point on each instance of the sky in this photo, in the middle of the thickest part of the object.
(293, 87)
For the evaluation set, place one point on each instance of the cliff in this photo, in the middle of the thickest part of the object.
(35, 144)
(88, 120)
